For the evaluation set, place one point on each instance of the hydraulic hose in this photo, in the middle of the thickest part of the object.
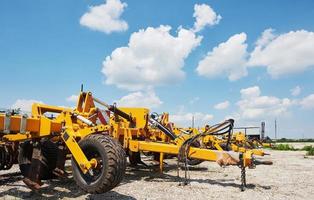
(153, 120)
(115, 110)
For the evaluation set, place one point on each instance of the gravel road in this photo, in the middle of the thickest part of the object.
(291, 177)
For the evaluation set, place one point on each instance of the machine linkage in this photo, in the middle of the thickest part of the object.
(98, 140)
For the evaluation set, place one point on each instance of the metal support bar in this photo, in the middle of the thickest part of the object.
(23, 124)
(196, 153)
(83, 119)
(7, 123)
(115, 110)
(76, 151)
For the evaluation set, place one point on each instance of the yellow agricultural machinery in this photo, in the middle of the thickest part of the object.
(211, 138)
(41, 142)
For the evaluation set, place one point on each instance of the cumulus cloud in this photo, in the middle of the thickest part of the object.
(147, 99)
(185, 119)
(308, 102)
(223, 105)
(24, 104)
(72, 98)
(227, 59)
(250, 93)
(105, 17)
(288, 53)
(253, 106)
(204, 16)
(295, 91)
(153, 57)
(266, 38)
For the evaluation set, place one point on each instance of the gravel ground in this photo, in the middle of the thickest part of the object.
(291, 177)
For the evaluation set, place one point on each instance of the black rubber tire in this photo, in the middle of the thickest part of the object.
(193, 162)
(48, 164)
(113, 167)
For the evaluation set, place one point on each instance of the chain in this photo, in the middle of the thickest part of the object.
(243, 178)
(183, 156)
(243, 174)
(186, 172)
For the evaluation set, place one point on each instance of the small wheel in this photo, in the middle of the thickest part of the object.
(2, 158)
(194, 162)
(9, 157)
(111, 164)
(49, 153)
(191, 161)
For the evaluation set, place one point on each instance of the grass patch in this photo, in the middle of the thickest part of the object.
(295, 140)
(284, 147)
(309, 149)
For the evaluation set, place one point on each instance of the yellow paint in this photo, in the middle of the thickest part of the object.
(137, 136)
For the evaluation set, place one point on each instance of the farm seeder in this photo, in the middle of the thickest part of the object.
(98, 146)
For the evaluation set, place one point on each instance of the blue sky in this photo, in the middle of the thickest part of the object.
(47, 51)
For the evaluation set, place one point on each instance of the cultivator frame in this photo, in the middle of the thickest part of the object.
(84, 133)
(236, 142)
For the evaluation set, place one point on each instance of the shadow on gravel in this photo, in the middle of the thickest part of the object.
(58, 189)
(53, 189)
(10, 178)
(153, 175)
(112, 195)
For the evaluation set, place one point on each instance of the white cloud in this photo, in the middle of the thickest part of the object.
(250, 93)
(204, 16)
(24, 104)
(185, 119)
(295, 91)
(266, 38)
(105, 17)
(223, 105)
(253, 106)
(288, 53)
(194, 100)
(147, 99)
(72, 98)
(227, 59)
(308, 102)
(153, 57)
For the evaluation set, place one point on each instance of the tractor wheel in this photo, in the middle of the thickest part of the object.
(49, 160)
(111, 164)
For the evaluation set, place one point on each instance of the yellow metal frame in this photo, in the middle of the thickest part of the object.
(136, 136)
(65, 125)
(238, 143)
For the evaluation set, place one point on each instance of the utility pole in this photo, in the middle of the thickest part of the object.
(262, 130)
(193, 121)
(276, 129)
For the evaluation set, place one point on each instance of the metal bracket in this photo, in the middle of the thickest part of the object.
(23, 123)
(7, 123)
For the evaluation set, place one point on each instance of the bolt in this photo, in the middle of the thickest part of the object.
(90, 171)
